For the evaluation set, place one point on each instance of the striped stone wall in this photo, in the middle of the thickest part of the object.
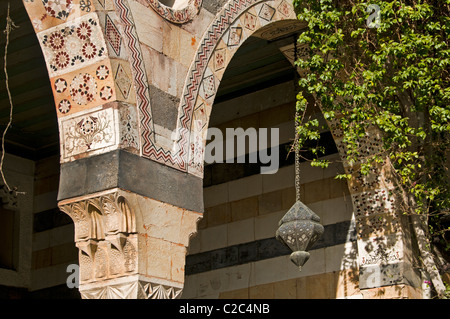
(235, 254)
(53, 236)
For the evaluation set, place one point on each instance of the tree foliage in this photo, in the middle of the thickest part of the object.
(393, 76)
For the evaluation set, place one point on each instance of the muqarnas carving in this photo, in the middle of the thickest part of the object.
(105, 233)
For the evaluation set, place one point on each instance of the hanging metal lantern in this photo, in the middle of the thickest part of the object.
(299, 229)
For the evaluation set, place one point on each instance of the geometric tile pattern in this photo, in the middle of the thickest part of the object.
(284, 8)
(122, 81)
(266, 12)
(82, 89)
(250, 21)
(59, 9)
(235, 35)
(75, 45)
(112, 35)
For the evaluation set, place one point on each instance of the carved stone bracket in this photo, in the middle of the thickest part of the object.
(130, 246)
(105, 233)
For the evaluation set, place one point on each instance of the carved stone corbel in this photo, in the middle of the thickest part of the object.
(121, 258)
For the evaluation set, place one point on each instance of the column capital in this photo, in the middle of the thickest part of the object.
(130, 246)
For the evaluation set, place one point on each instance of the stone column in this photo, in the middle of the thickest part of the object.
(388, 264)
(130, 246)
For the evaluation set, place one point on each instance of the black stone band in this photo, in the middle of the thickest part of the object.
(121, 169)
(334, 234)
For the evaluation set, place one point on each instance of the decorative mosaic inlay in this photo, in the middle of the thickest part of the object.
(284, 8)
(234, 37)
(77, 91)
(373, 202)
(112, 35)
(266, 12)
(87, 132)
(59, 9)
(129, 134)
(77, 44)
(83, 89)
(380, 250)
(250, 21)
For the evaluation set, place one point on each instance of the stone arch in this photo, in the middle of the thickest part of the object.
(231, 27)
(384, 245)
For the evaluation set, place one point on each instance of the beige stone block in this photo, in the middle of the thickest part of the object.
(235, 294)
(244, 208)
(215, 195)
(286, 132)
(284, 178)
(254, 102)
(286, 289)
(347, 283)
(288, 198)
(265, 291)
(178, 262)
(149, 25)
(202, 224)
(317, 191)
(244, 122)
(338, 188)
(190, 287)
(194, 244)
(188, 227)
(335, 210)
(213, 237)
(279, 114)
(319, 286)
(209, 284)
(267, 225)
(198, 26)
(392, 292)
(218, 215)
(270, 202)
(162, 221)
(164, 72)
(188, 47)
(240, 232)
(270, 270)
(238, 276)
(315, 265)
(157, 256)
(245, 187)
(171, 41)
(301, 291)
